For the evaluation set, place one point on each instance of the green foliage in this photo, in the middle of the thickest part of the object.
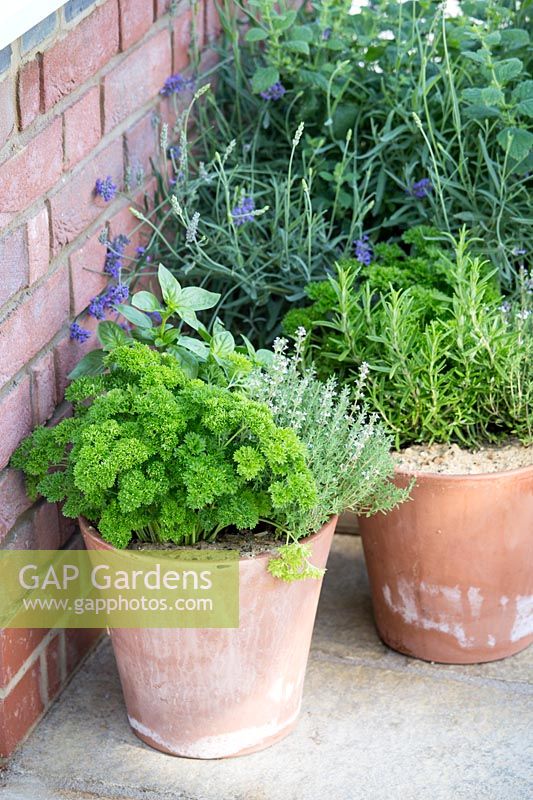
(212, 356)
(347, 449)
(154, 454)
(292, 563)
(460, 370)
(392, 95)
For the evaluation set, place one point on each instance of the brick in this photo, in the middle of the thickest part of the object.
(141, 145)
(86, 276)
(182, 28)
(67, 353)
(5, 58)
(30, 326)
(38, 236)
(137, 79)
(124, 222)
(33, 170)
(161, 7)
(13, 264)
(13, 500)
(52, 656)
(7, 104)
(85, 49)
(29, 92)
(15, 413)
(213, 25)
(79, 641)
(136, 18)
(75, 7)
(82, 127)
(38, 33)
(43, 389)
(20, 710)
(74, 207)
(16, 646)
(38, 529)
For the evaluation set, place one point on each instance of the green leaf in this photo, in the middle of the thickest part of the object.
(170, 287)
(134, 316)
(508, 69)
(198, 299)
(255, 35)
(187, 361)
(516, 141)
(222, 345)
(111, 335)
(525, 107)
(200, 349)
(491, 96)
(514, 38)
(188, 316)
(302, 32)
(264, 78)
(296, 46)
(90, 364)
(146, 301)
(523, 91)
(264, 357)
(284, 21)
(479, 56)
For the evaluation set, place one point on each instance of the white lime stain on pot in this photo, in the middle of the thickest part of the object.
(476, 600)
(504, 600)
(217, 746)
(523, 624)
(408, 608)
(491, 641)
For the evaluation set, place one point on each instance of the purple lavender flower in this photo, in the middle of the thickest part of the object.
(115, 295)
(274, 92)
(115, 251)
(78, 333)
(364, 252)
(326, 34)
(140, 251)
(156, 317)
(175, 84)
(244, 212)
(108, 300)
(519, 251)
(174, 151)
(420, 189)
(96, 308)
(105, 188)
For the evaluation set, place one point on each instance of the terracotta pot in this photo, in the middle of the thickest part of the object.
(213, 693)
(451, 570)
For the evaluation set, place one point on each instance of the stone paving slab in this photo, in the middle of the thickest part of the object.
(375, 725)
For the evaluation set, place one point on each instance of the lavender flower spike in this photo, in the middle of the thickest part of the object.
(79, 334)
(244, 212)
(105, 188)
(421, 189)
(175, 84)
(364, 251)
(274, 92)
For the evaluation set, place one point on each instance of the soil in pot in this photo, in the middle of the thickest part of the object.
(451, 570)
(215, 693)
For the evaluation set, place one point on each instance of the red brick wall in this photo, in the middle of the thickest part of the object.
(76, 106)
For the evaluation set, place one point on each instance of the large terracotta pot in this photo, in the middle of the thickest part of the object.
(213, 693)
(451, 569)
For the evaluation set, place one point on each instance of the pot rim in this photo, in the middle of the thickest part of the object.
(93, 532)
(461, 476)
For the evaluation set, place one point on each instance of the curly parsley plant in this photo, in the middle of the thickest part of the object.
(151, 454)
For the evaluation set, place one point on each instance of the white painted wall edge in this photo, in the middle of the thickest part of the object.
(19, 16)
